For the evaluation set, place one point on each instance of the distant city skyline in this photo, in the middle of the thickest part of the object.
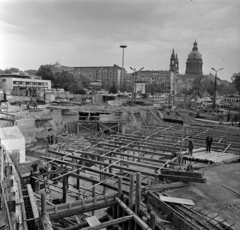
(89, 33)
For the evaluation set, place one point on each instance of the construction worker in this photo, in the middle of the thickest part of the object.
(190, 146)
(209, 141)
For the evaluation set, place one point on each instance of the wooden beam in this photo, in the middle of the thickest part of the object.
(79, 203)
(137, 219)
(131, 191)
(161, 187)
(138, 194)
(123, 161)
(83, 209)
(103, 172)
(182, 173)
(230, 189)
(115, 226)
(176, 200)
(33, 201)
(43, 204)
(182, 178)
(104, 225)
(84, 224)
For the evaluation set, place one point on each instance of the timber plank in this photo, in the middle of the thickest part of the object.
(181, 173)
(176, 200)
(82, 209)
(160, 187)
(182, 178)
(93, 221)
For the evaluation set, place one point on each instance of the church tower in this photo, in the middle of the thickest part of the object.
(194, 62)
(177, 64)
(172, 62)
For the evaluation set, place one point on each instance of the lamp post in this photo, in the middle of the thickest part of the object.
(123, 47)
(215, 86)
(134, 84)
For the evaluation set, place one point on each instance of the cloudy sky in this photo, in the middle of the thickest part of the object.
(89, 33)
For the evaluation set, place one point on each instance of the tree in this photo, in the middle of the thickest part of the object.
(226, 89)
(11, 70)
(31, 71)
(197, 85)
(113, 89)
(236, 81)
(46, 73)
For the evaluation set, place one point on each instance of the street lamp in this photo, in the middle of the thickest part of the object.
(185, 92)
(134, 84)
(215, 86)
(123, 47)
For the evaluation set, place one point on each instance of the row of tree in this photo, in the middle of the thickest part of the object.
(203, 86)
(64, 80)
(76, 84)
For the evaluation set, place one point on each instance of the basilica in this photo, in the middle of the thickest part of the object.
(194, 62)
(194, 68)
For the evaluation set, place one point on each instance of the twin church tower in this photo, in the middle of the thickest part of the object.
(194, 62)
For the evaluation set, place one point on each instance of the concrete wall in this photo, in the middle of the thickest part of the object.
(72, 127)
(27, 127)
(49, 97)
(14, 141)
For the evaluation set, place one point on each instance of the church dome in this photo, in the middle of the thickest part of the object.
(195, 54)
(194, 62)
(57, 65)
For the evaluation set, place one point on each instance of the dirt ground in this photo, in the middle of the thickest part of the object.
(212, 196)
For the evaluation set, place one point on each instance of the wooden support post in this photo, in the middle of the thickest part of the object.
(78, 180)
(77, 128)
(93, 195)
(138, 194)
(152, 221)
(133, 155)
(119, 187)
(64, 189)
(119, 195)
(110, 168)
(48, 167)
(131, 191)
(43, 204)
(136, 218)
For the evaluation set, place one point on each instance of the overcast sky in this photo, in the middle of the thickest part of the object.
(89, 33)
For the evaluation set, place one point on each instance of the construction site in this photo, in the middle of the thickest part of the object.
(97, 166)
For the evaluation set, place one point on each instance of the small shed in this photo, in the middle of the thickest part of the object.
(14, 142)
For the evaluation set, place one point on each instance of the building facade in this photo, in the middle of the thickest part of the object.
(107, 75)
(24, 85)
(159, 80)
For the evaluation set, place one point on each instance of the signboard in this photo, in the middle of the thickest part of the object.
(140, 87)
(96, 83)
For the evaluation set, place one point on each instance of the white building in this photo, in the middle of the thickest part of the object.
(13, 141)
(22, 84)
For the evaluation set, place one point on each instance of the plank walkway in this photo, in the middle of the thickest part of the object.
(213, 156)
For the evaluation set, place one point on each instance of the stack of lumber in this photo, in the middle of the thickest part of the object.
(175, 175)
(213, 157)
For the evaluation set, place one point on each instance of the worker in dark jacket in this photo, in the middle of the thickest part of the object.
(190, 146)
(209, 141)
